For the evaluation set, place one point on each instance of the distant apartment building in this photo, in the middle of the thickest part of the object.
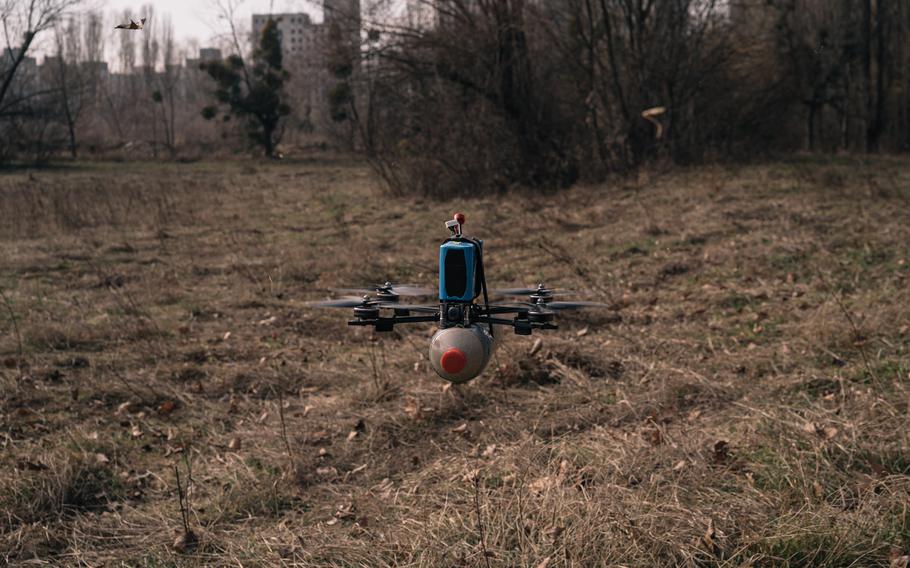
(421, 14)
(195, 82)
(300, 37)
(210, 54)
(306, 47)
(206, 54)
(27, 72)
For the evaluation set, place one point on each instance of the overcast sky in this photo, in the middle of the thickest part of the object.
(196, 23)
(197, 20)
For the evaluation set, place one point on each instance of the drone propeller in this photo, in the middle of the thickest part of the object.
(541, 290)
(549, 306)
(575, 305)
(367, 302)
(411, 308)
(389, 289)
(347, 302)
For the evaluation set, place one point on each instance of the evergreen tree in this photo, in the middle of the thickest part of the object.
(254, 94)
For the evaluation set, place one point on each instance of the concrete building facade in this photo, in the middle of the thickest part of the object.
(307, 47)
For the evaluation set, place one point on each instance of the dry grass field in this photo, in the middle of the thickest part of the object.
(743, 402)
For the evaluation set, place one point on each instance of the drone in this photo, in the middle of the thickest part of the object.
(462, 347)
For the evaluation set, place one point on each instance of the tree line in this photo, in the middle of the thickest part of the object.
(478, 95)
(493, 93)
(154, 98)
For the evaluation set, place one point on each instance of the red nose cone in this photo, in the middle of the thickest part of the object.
(460, 218)
(453, 361)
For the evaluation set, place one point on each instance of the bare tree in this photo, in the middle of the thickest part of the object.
(69, 78)
(25, 19)
(165, 95)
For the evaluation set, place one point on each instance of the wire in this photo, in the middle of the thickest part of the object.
(480, 273)
(483, 281)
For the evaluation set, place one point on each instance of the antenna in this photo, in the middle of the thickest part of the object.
(454, 226)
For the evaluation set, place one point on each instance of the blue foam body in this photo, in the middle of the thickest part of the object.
(457, 272)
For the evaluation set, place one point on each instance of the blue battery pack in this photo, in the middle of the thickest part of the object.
(458, 271)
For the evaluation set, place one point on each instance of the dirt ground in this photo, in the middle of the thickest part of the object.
(743, 401)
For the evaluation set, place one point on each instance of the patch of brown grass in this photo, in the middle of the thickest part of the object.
(743, 403)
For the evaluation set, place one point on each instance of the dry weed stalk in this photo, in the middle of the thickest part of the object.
(380, 378)
(15, 321)
(284, 429)
(187, 541)
(135, 392)
(125, 300)
(858, 339)
(480, 527)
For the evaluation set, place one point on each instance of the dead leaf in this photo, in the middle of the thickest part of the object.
(544, 484)
(463, 427)
(123, 408)
(554, 532)
(818, 489)
(826, 432)
(489, 451)
(653, 436)
(352, 434)
(897, 557)
(680, 465)
(136, 432)
(544, 563)
(235, 444)
(344, 512)
(170, 451)
(538, 344)
(709, 538)
(412, 407)
(31, 466)
(326, 471)
(721, 451)
(581, 332)
(166, 407)
(186, 542)
(385, 488)
(226, 336)
(101, 458)
(654, 111)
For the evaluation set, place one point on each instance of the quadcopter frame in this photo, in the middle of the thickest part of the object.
(456, 314)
